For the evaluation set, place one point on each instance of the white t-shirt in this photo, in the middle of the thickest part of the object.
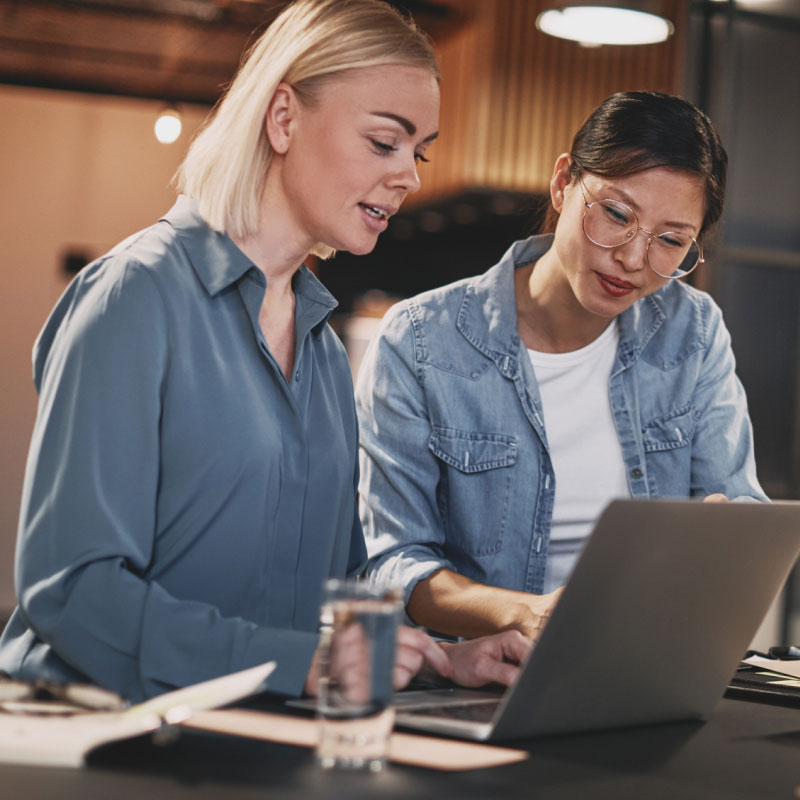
(584, 446)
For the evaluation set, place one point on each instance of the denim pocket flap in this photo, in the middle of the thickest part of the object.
(473, 452)
(669, 432)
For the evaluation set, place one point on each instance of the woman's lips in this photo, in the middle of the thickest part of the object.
(375, 217)
(614, 286)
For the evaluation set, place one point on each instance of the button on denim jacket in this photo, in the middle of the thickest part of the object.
(455, 468)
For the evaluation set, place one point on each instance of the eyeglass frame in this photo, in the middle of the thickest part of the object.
(650, 235)
(57, 699)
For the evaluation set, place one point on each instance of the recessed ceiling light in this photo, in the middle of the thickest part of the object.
(596, 25)
(168, 126)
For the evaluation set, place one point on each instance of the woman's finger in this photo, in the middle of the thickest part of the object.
(717, 497)
(414, 649)
(432, 652)
(491, 671)
(516, 646)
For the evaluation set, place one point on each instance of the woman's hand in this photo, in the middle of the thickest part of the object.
(529, 613)
(414, 650)
(716, 498)
(490, 659)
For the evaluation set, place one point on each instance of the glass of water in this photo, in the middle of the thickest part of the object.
(358, 623)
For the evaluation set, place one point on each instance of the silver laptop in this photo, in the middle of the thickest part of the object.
(661, 607)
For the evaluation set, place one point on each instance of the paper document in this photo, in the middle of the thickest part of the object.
(65, 741)
(784, 667)
(176, 706)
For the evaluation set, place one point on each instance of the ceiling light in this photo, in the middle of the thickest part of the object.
(596, 25)
(168, 126)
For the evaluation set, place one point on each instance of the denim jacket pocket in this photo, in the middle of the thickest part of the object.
(669, 432)
(668, 454)
(475, 486)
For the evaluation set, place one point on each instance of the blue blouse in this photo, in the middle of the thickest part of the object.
(183, 502)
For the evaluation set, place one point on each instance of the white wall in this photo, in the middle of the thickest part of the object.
(76, 171)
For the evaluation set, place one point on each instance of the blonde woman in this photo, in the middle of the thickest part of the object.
(191, 478)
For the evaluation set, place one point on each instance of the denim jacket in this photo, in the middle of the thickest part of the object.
(455, 466)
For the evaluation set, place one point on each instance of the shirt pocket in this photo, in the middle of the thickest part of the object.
(669, 432)
(668, 454)
(475, 487)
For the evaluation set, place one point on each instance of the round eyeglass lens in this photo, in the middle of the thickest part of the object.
(611, 224)
(673, 255)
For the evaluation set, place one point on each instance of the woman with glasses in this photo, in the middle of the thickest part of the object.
(500, 414)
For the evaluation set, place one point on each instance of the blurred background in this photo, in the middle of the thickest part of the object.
(82, 83)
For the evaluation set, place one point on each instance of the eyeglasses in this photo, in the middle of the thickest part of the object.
(55, 699)
(609, 223)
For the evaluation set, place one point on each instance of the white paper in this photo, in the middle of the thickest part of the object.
(782, 666)
(208, 694)
(65, 741)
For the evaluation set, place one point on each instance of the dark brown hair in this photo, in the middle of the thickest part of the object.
(634, 131)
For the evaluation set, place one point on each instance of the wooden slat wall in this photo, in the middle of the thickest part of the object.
(512, 98)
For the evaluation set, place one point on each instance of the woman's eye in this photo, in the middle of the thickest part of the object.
(672, 240)
(616, 214)
(382, 147)
(419, 157)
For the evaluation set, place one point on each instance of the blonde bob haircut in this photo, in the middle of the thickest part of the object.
(309, 42)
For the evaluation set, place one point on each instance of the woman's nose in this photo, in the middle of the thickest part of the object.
(407, 177)
(633, 254)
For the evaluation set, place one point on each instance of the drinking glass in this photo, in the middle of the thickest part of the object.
(354, 709)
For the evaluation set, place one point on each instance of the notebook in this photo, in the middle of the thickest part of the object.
(50, 737)
(660, 608)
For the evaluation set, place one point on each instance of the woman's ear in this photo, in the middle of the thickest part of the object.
(560, 180)
(280, 118)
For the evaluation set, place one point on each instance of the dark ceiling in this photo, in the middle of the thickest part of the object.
(171, 50)
(188, 50)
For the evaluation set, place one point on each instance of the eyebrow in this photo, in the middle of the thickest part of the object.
(669, 226)
(409, 126)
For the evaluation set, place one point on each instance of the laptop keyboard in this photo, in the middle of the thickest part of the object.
(473, 712)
